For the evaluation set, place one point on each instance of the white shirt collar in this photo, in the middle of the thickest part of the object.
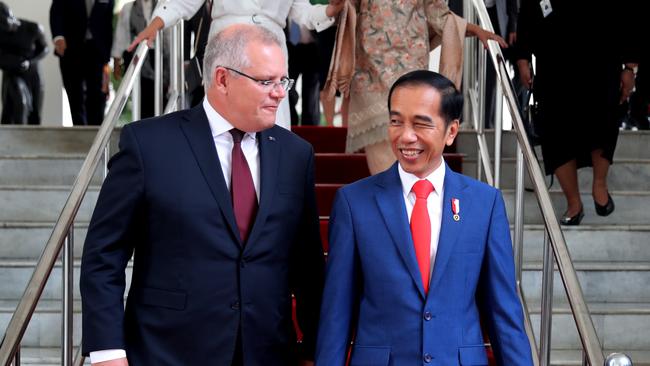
(437, 178)
(218, 124)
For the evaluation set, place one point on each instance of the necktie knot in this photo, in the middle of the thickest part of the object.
(237, 135)
(422, 188)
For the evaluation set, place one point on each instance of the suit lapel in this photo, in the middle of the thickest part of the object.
(390, 199)
(197, 131)
(269, 150)
(449, 228)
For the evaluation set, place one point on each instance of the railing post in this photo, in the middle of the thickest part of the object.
(17, 357)
(158, 71)
(135, 99)
(498, 128)
(547, 303)
(67, 264)
(519, 214)
(181, 65)
(175, 62)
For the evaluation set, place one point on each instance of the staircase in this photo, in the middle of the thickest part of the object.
(611, 254)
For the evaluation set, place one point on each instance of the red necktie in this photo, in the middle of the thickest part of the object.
(242, 189)
(421, 229)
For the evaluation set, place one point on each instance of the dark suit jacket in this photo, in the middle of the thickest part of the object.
(68, 18)
(193, 285)
(374, 289)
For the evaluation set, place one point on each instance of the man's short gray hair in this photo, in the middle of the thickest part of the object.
(228, 48)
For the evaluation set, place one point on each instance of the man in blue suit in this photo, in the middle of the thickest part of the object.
(217, 207)
(418, 251)
(82, 32)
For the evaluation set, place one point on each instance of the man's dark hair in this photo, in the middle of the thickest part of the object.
(451, 103)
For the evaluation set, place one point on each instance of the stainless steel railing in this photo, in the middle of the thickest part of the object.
(62, 239)
(555, 248)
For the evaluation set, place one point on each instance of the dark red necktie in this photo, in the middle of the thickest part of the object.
(242, 189)
(421, 229)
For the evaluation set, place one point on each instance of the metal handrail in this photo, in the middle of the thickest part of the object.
(588, 337)
(27, 305)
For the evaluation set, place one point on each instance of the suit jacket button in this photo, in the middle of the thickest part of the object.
(428, 358)
(235, 305)
(427, 316)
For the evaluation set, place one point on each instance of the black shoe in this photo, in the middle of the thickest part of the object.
(573, 220)
(607, 209)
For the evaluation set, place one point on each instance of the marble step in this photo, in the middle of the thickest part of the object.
(44, 170)
(631, 207)
(624, 175)
(41, 203)
(39, 140)
(630, 145)
(600, 281)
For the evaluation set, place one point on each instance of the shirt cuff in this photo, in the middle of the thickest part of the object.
(57, 38)
(107, 355)
(168, 15)
(322, 21)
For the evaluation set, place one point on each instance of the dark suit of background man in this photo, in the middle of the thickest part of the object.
(408, 272)
(22, 45)
(82, 32)
(213, 272)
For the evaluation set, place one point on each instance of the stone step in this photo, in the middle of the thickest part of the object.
(26, 240)
(44, 170)
(631, 144)
(594, 243)
(39, 140)
(16, 275)
(600, 281)
(43, 356)
(624, 175)
(621, 327)
(41, 203)
(631, 207)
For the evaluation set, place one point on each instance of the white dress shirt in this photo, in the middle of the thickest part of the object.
(223, 142)
(434, 202)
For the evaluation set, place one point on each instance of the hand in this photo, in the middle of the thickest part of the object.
(59, 46)
(117, 68)
(627, 84)
(148, 34)
(117, 362)
(525, 74)
(305, 363)
(512, 38)
(484, 35)
(334, 7)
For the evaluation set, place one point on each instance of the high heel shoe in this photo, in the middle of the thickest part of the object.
(573, 220)
(607, 209)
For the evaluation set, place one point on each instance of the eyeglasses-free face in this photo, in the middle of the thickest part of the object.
(285, 83)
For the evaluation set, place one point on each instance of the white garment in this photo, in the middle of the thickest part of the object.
(122, 35)
(434, 202)
(271, 14)
(223, 142)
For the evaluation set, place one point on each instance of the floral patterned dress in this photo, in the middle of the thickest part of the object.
(392, 37)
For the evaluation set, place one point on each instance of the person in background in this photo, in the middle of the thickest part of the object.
(132, 19)
(82, 32)
(22, 46)
(391, 40)
(271, 14)
(304, 61)
(580, 123)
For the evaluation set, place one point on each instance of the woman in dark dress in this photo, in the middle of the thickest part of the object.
(577, 87)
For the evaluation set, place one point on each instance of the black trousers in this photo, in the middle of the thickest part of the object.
(303, 59)
(82, 73)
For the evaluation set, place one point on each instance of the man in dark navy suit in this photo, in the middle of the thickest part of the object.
(217, 207)
(82, 32)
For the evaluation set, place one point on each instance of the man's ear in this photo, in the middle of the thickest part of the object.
(220, 81)
(452, 131)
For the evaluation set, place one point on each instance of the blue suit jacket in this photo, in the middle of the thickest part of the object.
(373, 285)
(194, 286)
